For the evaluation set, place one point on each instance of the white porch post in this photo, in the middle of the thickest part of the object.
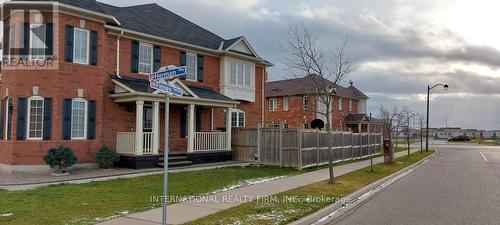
(156, 127)
(228, 129)
(191, 122)
(139, 109)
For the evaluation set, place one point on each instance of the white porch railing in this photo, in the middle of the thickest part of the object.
(210, 141)
(148, 143)
(125, 143)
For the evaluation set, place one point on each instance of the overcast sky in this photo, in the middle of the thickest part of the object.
(401, 46)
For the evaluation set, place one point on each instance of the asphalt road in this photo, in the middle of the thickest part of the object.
(461, 185)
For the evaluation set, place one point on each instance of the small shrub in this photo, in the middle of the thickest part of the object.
(106, 157)
(60, 157)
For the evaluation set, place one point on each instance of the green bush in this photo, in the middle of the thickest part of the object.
(106, 157)
(60, 157)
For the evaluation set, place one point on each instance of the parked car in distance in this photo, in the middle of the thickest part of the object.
(460, 138)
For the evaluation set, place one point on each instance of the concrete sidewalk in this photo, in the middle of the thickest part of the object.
(183, 212)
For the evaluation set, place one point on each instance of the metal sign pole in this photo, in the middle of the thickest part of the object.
(165, 160)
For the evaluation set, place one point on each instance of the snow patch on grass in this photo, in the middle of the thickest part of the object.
(6, 214)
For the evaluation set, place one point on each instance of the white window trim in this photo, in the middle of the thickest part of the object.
(238, 111)
(341, 103)
(84, 119)
(195, 65)
(285, 106)
(28, 117)
(275, 104)
(6, 118)
(88, 45)
(12, 38)
(243, 64)
(139, 56)
(350, 105)
(31, 40)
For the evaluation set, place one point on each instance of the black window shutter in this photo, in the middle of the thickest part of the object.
(47, 118)
(2, 110)
(6, 38)
(156, 58)
(93, 48)
(135, 57)
(21, 119)
(9, 119)
(200, 61)
(182, 62)
(68, 48)
(49, 39)
(183, 123)
(66, 129)
(25, 39)
(91, 120)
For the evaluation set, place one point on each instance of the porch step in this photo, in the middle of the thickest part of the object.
(175, 159)
(176, 164)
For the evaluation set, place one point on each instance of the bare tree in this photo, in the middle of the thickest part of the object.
(325, 70)
(391, 120)
(421, 123)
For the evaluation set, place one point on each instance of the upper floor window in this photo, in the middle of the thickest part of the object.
(285, 103)
(145, 58)
(191, 66)
(350, 105)
(78, 118)
(241, 74)
(305, 102)
(340, 104)
(273, 106)
(12, 39)
(35, 118)
(37, 41)
(81, 46)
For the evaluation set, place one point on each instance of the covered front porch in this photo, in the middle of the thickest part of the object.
(198, 124)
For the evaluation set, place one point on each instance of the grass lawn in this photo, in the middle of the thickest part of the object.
(396, 149)
(280, 211)
(83, 203)
(487, 142)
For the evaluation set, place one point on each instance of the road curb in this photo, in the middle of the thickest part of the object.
(338, 210)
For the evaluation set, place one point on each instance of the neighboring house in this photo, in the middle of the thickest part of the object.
(446, 132)
(295, 104)
(99, 93)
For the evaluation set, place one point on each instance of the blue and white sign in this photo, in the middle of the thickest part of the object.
(168, 74)
(169, 89)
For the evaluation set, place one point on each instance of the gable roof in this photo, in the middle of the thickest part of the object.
(306, 85)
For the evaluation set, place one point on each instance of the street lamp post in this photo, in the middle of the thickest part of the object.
(429, 88)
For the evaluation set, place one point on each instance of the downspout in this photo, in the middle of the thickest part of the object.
(118, 54)
(263, 94)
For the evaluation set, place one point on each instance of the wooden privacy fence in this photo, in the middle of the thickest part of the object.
(301, 148)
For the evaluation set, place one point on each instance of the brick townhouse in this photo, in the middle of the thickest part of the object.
(295, 104)
(92, 88)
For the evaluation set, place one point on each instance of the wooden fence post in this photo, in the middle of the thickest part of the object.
(317, 147)
(299, 149)
(342, 144)
(352, 145)
(360, 145)
(281, 144)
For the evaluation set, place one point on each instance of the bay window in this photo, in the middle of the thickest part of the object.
(35, 118)
(241, 74)
(79, 118)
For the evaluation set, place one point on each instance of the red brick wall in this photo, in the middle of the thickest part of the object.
(296, 116)
(96, 81)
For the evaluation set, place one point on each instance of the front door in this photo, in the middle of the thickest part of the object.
(147, 129)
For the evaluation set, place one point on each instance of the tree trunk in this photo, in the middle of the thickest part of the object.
(388, 151)
(330, 159)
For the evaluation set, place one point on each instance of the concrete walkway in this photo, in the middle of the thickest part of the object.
(183, 212)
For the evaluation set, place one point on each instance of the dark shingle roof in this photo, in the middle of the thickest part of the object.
(305, 85)
(154, 20)
(142, 85)
(356, 117)
(229, 42)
